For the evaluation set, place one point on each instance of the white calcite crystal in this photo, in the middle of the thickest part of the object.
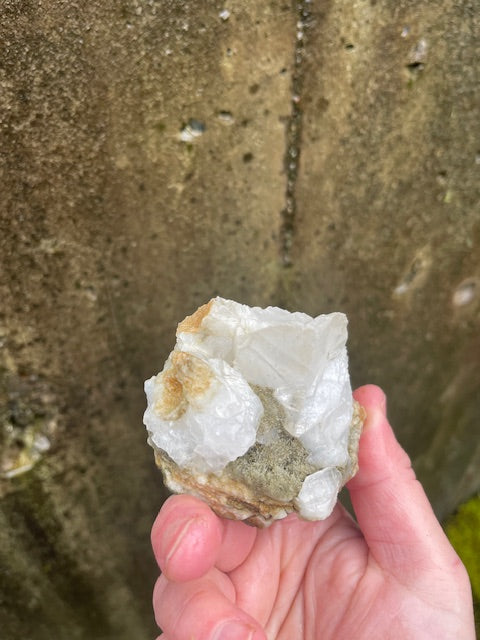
(253, 412)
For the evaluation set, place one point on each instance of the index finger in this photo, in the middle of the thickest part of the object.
(188, 539)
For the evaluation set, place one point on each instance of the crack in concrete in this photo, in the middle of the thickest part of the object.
(294, 132)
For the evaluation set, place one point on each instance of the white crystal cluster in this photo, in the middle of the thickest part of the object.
(203, 411)
(220, 417)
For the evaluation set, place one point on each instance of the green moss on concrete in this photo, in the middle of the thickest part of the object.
(463, 531)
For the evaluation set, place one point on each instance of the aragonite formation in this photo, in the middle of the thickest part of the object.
(253, 412)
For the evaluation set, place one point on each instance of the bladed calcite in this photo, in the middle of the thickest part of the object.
(253, 412)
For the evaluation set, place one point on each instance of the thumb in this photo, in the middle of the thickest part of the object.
(392, 509)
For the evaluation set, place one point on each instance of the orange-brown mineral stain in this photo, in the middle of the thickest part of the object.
(185, 382)
(192, 323)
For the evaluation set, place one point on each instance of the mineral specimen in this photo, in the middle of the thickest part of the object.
(253, 412)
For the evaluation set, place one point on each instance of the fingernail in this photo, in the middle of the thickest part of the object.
(375, 416)
(234, 630)
(383, 405)
(174, 535)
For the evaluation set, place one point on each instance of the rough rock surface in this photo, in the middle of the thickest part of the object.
(253, 411)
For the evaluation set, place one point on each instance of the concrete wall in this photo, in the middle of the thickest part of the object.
(318, 155)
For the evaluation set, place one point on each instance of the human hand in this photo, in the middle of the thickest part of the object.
(394, 575)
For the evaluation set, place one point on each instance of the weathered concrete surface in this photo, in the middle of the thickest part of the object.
(113, 228)
(388, 216)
